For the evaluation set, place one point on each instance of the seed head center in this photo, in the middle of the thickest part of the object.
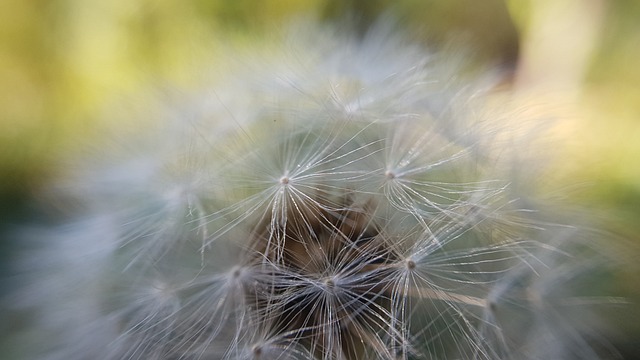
(411, 264)
(257, 351)
(330, 284)
(389, 174)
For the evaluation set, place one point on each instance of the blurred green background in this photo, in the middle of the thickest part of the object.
(63, 61)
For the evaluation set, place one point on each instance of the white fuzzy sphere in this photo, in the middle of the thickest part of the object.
(336, 199)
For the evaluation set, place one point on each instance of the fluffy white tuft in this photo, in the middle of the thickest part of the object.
(346, 200)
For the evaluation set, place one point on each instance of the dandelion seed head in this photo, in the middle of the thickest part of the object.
(345, 213)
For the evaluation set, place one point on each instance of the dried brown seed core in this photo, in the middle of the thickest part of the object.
(313, 246)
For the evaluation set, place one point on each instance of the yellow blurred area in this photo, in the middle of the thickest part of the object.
(63, 61)
(580, 56)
